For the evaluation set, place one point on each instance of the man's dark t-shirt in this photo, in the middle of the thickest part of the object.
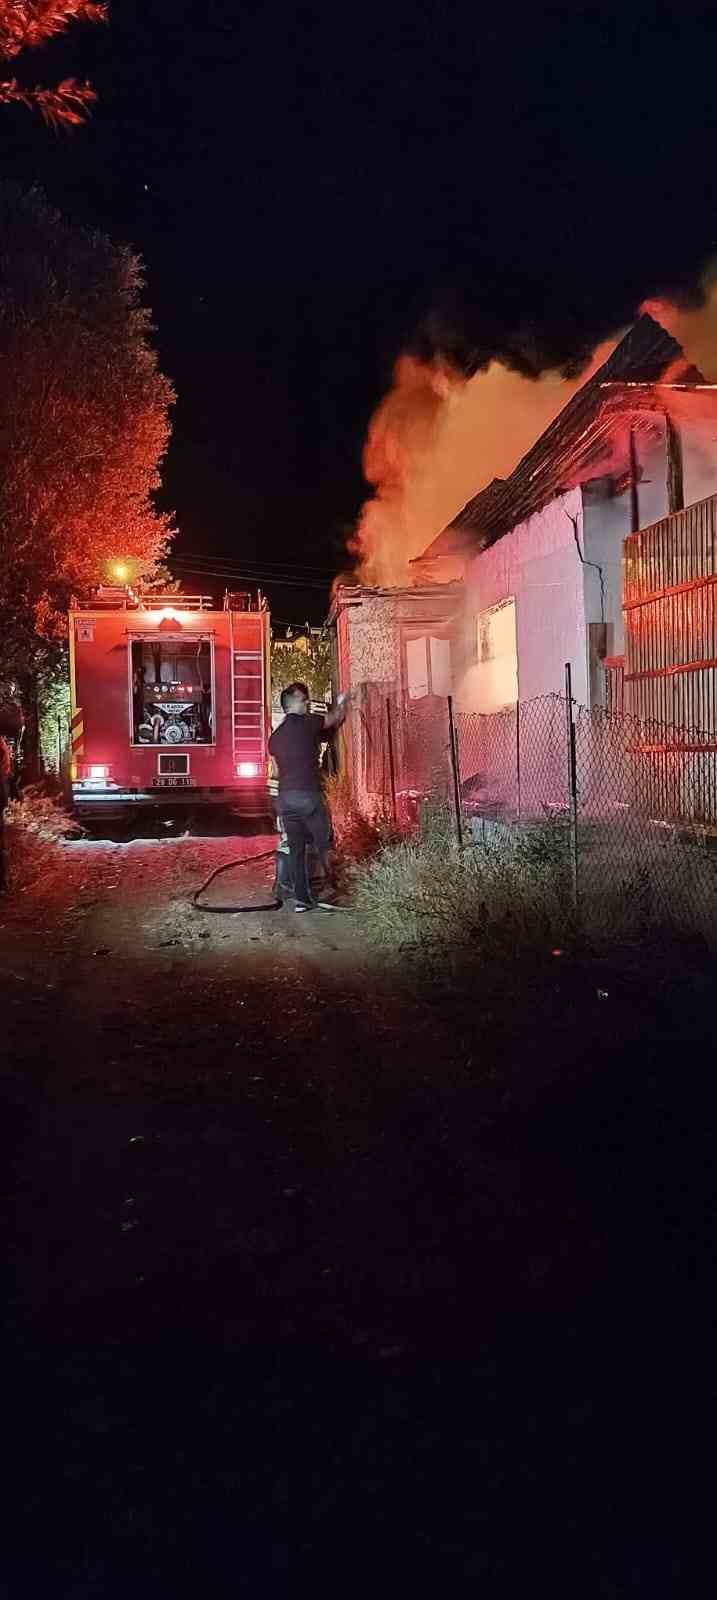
(295, 748)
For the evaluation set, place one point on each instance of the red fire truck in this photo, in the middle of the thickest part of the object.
(171, 703)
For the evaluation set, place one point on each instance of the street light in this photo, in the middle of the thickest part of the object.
(120, 571)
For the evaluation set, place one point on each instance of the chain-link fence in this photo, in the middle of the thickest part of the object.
(644, 824)
(632, 806)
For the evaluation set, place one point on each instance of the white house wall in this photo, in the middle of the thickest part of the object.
(699, 468)
(651, 453)
(606, 522)
(698, 439)
(537, 564)
(373, 642)
(699, 461)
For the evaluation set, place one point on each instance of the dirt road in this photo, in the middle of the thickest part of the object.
(313, 1272)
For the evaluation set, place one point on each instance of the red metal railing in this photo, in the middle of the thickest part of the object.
(670, 609)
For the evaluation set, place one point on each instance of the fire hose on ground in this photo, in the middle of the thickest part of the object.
(275, 904)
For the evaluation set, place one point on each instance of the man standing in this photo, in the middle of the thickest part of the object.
(295, 748)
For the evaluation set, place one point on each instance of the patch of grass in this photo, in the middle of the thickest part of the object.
(35, 825)
(358, 838)
(505, 893)
(645, 881)
(510, 890)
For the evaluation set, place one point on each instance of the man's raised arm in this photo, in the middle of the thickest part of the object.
(337, 714)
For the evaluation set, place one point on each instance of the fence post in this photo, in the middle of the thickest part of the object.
(572, 781)
(453, 748)
(517, 754)
(391, 762)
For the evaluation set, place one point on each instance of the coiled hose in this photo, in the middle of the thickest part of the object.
(241, 861)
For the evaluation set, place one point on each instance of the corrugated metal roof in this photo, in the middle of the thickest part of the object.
(646, 354)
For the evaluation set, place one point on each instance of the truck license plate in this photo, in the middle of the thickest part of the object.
(172, 783)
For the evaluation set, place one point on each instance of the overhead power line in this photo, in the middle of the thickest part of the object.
(242, 575)
(268, 578)
(249, 561)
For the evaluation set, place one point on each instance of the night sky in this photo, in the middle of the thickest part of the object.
(313, 187)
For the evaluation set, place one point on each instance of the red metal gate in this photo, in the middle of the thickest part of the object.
(670, 606)
(670, 678)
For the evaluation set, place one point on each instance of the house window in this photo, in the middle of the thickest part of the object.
(497, 657)
(428, 666)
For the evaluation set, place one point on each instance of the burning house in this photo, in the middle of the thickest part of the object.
(540, 554)
(529, 575)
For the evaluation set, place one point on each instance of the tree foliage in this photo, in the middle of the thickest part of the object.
(25, 24)
(305, 660)
(54, 710)
(84, 422)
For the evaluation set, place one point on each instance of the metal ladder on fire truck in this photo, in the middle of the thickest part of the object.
(249, 666)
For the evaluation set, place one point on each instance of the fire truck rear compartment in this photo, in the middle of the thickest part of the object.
(172, 691)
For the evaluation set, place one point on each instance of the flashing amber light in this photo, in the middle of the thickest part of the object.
(99, 772)
(247, 769)
(120, 571)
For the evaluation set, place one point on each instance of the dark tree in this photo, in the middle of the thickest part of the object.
(84, 425)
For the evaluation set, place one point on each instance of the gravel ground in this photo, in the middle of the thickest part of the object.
(315, 1275)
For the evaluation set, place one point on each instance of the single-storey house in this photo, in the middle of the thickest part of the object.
(540, 554)
(529, 575)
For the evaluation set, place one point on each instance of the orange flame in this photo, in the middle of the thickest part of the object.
(436, 439)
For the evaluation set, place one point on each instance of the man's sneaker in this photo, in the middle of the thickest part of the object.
(316, 905)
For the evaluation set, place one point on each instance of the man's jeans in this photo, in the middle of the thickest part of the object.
(306, 822)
